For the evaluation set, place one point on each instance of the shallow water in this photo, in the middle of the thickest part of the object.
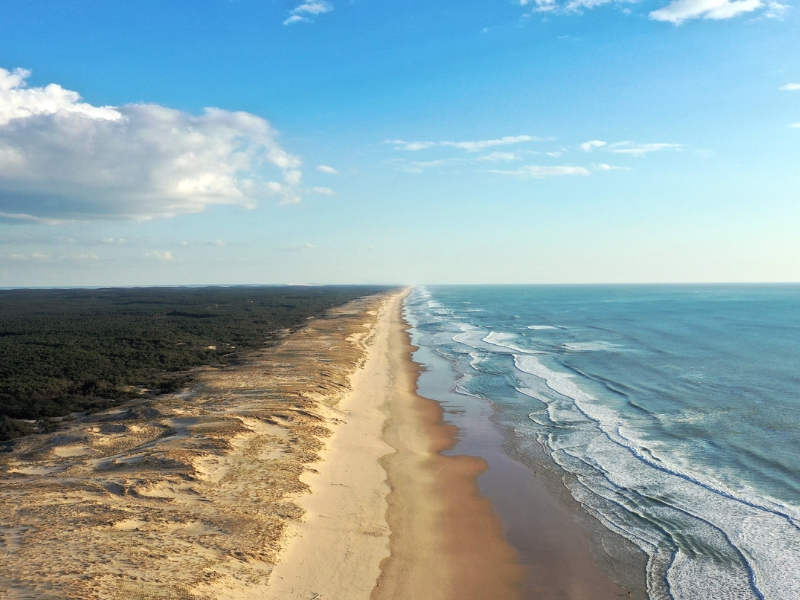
(671, 411)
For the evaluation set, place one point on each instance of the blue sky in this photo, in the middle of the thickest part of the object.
(500, 141)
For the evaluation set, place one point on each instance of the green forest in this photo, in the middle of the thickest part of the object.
(69, 350)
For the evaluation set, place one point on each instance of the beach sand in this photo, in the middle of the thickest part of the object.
(186, 495)
(310, 470)
(388, 516)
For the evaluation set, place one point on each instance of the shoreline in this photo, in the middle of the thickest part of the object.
(560, 545)
(389, 516)
(447, 514)
(447, 541)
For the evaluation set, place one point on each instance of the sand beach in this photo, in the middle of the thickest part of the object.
(388, 516)
(310, 470)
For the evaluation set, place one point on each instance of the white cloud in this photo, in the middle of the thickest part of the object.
(640, 149)
(304, 11)
(61, 158)
(791, 87)
(418, 166)
(568, 6)
(473, 146)
(403, 145)
(327, 169)
(588, 146)
(627, 147)
(577, 5)
(540, 172)
(322, 191)
(605, 167)
(166, 255)
(313, 8)
(500, 156)
(675, 12)
(18, 101)
(795, 125)
(427, 164)
(41, 256)
(776, 10)
(79, 256)
(679, 11)
(26, 218)
(22, 256)
(482, 144)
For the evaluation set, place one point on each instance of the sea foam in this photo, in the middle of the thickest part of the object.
(704, 537)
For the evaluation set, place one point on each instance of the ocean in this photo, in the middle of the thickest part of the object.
(670, 414)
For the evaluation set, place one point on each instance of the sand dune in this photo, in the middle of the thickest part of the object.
(182, 496)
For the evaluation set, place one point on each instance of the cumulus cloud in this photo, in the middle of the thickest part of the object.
(327, 169)
(540, 172)
(588, 146)
(790, 87)
(306, 11)
(61, 158)
(473, 146)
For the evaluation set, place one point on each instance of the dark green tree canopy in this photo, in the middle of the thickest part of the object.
(72, 350)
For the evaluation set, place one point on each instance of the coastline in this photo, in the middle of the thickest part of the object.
(551, 534)
(313, 469)
(389, 516)
(446, 540)
(563, 548)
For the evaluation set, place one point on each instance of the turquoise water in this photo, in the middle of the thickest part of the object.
(674, 409)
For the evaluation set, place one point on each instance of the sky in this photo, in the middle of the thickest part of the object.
(398, 142)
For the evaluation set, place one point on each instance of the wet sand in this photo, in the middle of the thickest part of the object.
(446, 539)
(554, 540)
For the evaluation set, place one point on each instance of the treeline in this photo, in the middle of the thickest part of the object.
(63, 351)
